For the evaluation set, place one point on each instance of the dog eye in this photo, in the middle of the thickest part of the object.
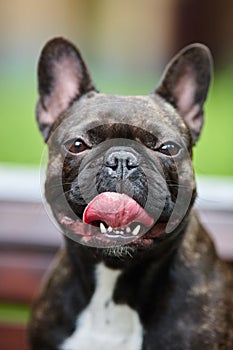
(169, 149)
(76, 146)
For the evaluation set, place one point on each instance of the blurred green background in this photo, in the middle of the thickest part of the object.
(126, 45)
(20, 141)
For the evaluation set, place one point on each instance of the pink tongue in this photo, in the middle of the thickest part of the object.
(116, 210)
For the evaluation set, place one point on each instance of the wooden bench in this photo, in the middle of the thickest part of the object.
(24, 258)
(21, 271)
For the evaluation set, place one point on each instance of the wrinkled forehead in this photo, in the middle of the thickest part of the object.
(151, 114)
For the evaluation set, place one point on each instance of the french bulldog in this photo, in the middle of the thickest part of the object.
(137, 270)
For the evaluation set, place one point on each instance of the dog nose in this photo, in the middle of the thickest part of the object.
(121, 160)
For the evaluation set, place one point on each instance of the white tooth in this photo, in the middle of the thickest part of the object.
(128, 229)
(102, 228)
(136, 230)
(110, 229)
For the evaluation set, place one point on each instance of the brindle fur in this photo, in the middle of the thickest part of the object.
(179, 287)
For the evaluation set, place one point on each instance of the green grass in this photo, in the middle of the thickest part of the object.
(20, 140)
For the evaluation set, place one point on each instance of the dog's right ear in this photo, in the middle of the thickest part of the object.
(62, 78)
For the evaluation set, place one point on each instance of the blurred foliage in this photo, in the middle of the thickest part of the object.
(20, 140)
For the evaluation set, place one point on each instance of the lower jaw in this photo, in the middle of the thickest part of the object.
(104, 241)
(91, 236)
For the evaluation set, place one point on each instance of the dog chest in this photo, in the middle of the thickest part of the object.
(104, 325)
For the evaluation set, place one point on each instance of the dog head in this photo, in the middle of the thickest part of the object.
(120, 171)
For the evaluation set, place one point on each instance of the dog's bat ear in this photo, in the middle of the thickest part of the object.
(62, 78)
(185, 84)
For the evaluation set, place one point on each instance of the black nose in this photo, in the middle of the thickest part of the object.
(121, 161)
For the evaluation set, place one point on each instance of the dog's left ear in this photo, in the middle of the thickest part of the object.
(185, 84)
(62, 78)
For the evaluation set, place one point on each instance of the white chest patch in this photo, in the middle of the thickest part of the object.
(104, 325)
